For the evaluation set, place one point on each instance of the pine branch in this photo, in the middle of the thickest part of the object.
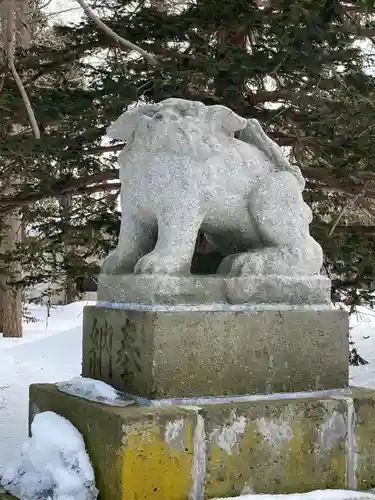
(90, 184)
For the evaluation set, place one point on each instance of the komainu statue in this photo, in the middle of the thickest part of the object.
(188, 167)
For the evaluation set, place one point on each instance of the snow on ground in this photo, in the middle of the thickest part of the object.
(54, 463)
(363, 334)
(51, 352)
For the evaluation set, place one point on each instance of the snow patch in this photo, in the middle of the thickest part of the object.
(94, 390)
(53, 464)
(50, 351)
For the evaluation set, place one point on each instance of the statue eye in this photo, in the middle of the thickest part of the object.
(158, 116)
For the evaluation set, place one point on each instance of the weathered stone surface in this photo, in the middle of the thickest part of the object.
(275, 447)
(363, 443)
(195, 290)
(137, 453)
(223, 450)
(177, 178)
(164, 354)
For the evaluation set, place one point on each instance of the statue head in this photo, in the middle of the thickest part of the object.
(188, 127)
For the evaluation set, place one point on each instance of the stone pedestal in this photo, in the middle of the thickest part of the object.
(187, 352)
(264, 445)
(153, 289)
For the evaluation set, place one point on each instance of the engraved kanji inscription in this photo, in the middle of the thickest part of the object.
(101, 351)
(130, 357)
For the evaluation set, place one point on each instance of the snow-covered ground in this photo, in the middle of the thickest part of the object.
(53, 464)
(363, 334)
(50, 351)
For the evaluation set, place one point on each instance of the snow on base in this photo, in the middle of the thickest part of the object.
(94, 390)
(53, 464)
(312, 495)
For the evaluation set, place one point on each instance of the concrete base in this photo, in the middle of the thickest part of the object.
(223, 450)
(196, 290)
(183, 353)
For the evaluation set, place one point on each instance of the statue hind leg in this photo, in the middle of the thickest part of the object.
(282, 218)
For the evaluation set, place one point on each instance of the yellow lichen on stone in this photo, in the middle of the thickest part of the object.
(296, 469)
(153, 470)
(280, 450)
(228, 474)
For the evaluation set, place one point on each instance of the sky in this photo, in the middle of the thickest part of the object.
(64, 10)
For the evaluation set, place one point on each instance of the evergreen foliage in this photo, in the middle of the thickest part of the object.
(295, 65)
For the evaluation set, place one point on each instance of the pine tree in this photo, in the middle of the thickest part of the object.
(292, 64)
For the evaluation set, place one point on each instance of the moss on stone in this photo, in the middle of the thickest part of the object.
(124, 443)
(364, 438)
(269, 446)
(282, 449)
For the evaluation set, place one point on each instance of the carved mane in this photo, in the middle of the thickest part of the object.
(253, 133)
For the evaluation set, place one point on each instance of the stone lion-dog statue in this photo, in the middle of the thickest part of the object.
(188, 167)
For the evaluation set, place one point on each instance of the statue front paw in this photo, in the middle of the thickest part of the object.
(155, 263)
(110, 264)
(116, 263)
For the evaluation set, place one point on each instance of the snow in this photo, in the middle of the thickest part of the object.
(313, 495)
(50, 351)
(94, 390)
(363, 333)
(53, 465)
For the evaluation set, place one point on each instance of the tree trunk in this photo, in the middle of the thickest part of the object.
(16, 33)
(225, 39)
(10, 295)
(69, 283)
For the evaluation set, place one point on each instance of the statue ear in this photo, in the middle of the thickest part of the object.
(226, 118)
(123, 128)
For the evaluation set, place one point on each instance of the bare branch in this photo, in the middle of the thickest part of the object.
(91, 14)
(25, 98)
(10, 49)
(65, 11)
